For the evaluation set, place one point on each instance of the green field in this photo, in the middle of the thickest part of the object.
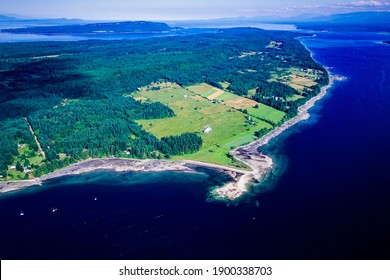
(266, 112)
(226, 96)
(229, 127)
(202, 89)
(295, 97)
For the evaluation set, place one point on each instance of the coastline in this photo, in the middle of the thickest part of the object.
(241, 179)
(259, 162)
(120, 165)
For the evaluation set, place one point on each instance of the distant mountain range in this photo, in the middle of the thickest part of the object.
(350, 18)
(362, 21)
(54, 21)
(95, 28)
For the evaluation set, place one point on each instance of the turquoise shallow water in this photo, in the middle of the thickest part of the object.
(328, 199)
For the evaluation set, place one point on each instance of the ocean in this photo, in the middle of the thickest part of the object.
(327, 198)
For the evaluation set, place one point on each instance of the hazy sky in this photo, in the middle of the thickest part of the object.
(176, 9)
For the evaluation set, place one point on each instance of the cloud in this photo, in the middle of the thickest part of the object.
(370, 4)
(356, 6)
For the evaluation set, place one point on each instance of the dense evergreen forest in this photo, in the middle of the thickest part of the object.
(75, 95)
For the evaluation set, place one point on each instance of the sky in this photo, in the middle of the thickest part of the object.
(182, 9)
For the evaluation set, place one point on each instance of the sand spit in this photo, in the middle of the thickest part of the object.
(241, 180)
(118, 165)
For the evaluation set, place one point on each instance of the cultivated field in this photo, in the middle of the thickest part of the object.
(226, 96)
(215, 95)
(298, 79)
(241, 103)
(203, 89)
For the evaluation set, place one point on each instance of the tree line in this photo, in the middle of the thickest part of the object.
(75, 94)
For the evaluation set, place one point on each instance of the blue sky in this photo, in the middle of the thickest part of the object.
(180, 9)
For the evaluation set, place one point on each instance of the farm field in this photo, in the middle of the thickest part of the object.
(238, 102)
(226, 96)
(298, 79)
(193, 113)
(266, 112)
(203, 89)
(241, 103)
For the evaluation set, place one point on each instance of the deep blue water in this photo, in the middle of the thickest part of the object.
(329, 197)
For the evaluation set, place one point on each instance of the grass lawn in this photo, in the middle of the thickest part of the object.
(15, 175)
(25, 150)
(224, 85)
(252, 92)
(266, 112)
(32, 156)
(229, 128)
(294, 97)
(241, 141)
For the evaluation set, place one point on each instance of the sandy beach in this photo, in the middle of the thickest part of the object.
(240, 180)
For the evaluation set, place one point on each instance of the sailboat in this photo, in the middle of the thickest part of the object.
(21, 213)
(54, 209)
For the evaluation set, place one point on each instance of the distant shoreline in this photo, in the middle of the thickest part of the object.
(241, 179)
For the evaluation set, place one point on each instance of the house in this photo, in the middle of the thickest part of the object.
(207, 129)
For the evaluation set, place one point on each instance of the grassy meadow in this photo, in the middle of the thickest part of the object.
(193, 113)
(266, 112)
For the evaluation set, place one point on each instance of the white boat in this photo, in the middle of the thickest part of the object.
(21, 213)
(95, 198)
(54, 209)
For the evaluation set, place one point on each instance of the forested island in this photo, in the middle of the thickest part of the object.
(192, 97)
(94, 28)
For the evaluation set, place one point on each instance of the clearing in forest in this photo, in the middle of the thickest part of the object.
(298, 79)
(230, 127)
